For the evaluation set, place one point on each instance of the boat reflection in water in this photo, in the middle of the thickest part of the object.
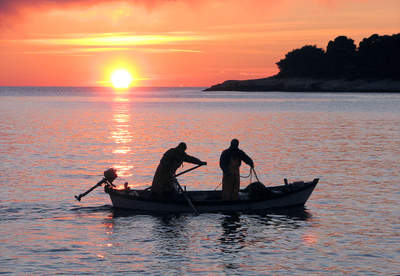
(243, 233)
(234, 234)
(182, 236)
(236, 226)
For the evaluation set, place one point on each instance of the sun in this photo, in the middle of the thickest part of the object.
(121, 78)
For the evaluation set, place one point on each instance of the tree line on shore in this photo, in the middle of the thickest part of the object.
(376, 57)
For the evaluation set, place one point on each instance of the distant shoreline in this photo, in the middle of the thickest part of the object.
(372, 66)
(277, 84)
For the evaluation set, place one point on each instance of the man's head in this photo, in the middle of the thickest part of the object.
(235, 143)
(182, 146)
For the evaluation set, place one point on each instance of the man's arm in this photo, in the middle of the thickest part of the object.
(246, 159)
(193, 160)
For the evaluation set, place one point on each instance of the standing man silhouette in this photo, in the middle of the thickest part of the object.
(230, 162)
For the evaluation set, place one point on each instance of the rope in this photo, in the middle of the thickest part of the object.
(255, 174)
(217, 186)
(250, 175)
(247, 175)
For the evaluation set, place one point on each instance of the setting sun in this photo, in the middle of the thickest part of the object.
(121, 78)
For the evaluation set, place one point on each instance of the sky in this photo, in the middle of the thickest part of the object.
(172, 42)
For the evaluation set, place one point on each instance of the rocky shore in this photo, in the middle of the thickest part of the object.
(307, 85)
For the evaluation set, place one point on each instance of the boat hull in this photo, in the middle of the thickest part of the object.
(206, 201)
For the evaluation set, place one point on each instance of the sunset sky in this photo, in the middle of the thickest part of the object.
(172, 43)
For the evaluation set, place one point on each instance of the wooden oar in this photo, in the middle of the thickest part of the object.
(189, 201)
(188, 170)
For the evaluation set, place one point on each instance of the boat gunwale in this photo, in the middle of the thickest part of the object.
(306, 185)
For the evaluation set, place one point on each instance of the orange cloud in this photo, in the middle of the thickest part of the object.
(118, 40)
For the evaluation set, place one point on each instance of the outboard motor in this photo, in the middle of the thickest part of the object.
(110, 175)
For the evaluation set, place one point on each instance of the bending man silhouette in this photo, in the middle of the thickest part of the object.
(230, 162)
(163, 186)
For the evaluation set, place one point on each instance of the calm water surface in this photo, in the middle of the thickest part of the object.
(56, 142)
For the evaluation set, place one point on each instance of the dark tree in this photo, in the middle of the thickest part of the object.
(379, 57)
(341, 57)
(305, 62)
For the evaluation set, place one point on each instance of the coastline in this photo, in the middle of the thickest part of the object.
(277, 84)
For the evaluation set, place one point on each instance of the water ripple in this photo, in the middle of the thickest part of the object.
(350, 225)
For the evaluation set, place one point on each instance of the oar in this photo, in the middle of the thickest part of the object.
(91, 189)
(188, 170)
(184, 193)
(187, 198)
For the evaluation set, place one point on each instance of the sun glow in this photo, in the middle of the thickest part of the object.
(121, 78)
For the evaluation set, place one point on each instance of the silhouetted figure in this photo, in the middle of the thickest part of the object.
(230, 162)
(163, 186)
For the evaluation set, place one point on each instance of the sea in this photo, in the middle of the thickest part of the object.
(56, 142)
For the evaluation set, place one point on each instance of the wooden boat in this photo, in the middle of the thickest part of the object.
(256, 197)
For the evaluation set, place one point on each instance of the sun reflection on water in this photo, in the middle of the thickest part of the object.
(121, 135)
(310, 239)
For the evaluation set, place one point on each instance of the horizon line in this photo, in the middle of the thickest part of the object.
(73, 86)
